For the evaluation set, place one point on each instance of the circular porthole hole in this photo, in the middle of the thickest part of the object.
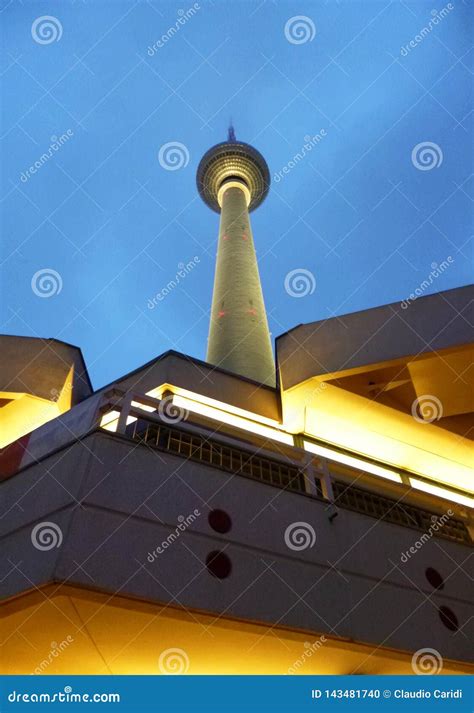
(218, 564)
(434, 578)
(448, 618)
(220, 521)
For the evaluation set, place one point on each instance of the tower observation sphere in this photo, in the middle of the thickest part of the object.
(232, 160)
(233, 179)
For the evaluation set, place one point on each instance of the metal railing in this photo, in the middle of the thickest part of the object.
(390, 510)
(218, 455)
(190, 442)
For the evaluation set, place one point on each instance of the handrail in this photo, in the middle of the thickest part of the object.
(317, 468)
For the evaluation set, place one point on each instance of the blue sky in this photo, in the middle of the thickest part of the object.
(357, 211)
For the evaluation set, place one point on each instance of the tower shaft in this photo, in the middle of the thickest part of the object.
(239, 338)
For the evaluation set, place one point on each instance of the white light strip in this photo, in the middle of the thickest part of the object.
(109, 421)
(354, 462)
(214, 403)
(233, 420)
(442, 492)
(144, 407)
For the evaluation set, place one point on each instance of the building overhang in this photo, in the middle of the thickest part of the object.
(390, 383)
(128, 636)
(39, 380)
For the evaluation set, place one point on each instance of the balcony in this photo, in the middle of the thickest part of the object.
(304, 478)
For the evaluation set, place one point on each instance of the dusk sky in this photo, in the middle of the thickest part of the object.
(364, 212)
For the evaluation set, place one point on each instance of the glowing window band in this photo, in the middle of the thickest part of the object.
(353, 462)
(210, 408)
(220, 405)
(233, 420)
(110, 419)
(442, 492)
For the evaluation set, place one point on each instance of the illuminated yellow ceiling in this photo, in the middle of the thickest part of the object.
(372, 411)
(115, 635)
(24, 412)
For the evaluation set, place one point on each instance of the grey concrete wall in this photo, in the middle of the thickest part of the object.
(202, 378)
(115, 502)
(40, 367)
(381, 334)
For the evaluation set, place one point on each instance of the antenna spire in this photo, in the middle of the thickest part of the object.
(231, 132)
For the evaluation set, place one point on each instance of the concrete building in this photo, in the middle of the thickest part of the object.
(189, 518)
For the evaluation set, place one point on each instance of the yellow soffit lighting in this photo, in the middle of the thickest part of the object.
(442, 492)
(231, 419)
(354, 462)
(24, 414)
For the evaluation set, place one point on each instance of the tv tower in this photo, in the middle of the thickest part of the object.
(233, 179)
